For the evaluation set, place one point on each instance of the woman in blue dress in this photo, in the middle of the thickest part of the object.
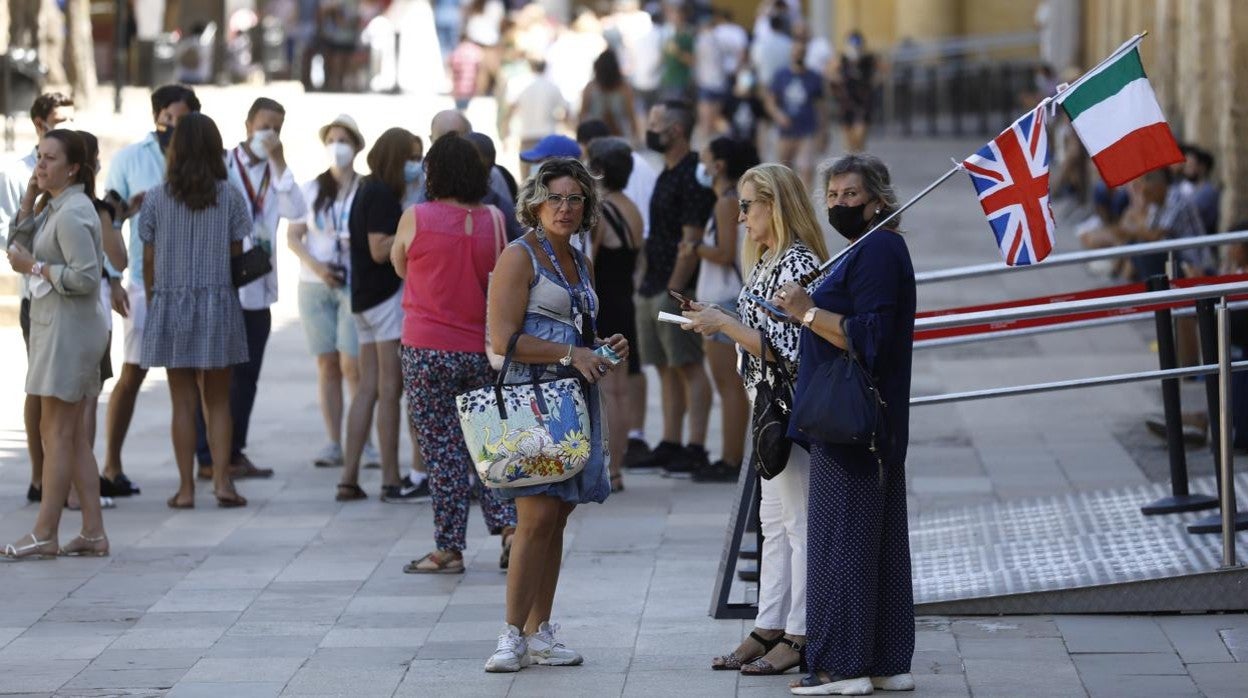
(859, 605)
(542, 289)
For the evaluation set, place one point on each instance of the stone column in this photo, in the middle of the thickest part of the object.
(1195, 72)
(1160, 60)
(1230, 94)
(929, 19)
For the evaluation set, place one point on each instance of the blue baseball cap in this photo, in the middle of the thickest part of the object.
(553, 146)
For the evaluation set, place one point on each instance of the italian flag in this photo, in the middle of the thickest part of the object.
(1116, 115)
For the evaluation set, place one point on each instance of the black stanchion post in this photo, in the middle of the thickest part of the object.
(932, 104)
(1181, 499)
(957, 93)
(1207, 324)
(982, 99)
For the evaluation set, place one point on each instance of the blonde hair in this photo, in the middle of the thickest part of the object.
(792, 214)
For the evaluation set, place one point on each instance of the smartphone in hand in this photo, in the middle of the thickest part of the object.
(685, 303)
(606, 352)
(769, 306)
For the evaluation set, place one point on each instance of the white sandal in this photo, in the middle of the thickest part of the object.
(83, 546)
(34, 551)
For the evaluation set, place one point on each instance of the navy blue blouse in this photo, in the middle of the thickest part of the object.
(873, 287)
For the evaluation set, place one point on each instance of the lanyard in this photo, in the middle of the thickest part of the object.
(582, 302)
(256, 199)
(340, 209)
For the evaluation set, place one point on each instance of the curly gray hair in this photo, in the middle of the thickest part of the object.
(535, 191)
(875, 180)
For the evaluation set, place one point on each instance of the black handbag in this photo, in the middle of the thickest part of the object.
(841, 404)
(249, 266)
(773, 406)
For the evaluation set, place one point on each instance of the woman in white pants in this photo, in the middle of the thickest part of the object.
(784, 243)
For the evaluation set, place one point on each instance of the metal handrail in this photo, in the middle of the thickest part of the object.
(1056, 260)
(1034, 388)
(1063, 327)
(1129, 300)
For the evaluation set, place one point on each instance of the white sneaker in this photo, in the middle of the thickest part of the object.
(369, 457)
(896, 682)
(545, 649)
(860, 686)
(512, 653)
(329, 457)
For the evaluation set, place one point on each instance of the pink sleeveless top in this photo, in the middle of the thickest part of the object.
(448, 274)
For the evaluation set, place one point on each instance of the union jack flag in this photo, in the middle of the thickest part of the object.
(1011, 175)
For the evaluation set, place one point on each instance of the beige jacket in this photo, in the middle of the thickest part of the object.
(68, 329)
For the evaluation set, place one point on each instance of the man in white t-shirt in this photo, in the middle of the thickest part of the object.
(733, 40)
(540, 110)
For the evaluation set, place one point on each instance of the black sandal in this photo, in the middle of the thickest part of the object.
(762, 667)
(348, 492)
(734, 663)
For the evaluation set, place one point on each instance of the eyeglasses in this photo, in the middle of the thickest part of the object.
(745, 205)
(574, 201)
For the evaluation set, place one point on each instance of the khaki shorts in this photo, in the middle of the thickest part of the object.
(661, 343)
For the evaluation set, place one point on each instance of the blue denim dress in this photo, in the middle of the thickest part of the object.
(549, 317)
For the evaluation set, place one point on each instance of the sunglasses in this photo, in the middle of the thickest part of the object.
(745, 205)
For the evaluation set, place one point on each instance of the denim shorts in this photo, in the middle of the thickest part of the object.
(327, 320)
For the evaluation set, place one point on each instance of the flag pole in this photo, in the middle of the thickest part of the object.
(1126, 46)
(809, 278)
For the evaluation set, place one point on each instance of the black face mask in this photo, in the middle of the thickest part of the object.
(654, 141)
(164, 135)
(848, 221)
(1193, 178)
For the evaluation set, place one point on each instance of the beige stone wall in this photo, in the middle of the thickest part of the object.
(1196, 57)
(885, 22)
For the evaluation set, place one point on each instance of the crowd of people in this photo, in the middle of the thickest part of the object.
(418, 275)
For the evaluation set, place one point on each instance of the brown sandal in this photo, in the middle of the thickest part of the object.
(762, 667)
(437, 562)
(173, 503)
(231, 500)
(617, 483)
(348, 492)
(732, 662)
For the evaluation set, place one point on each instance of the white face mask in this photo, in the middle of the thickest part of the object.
(340, 154)
(257, 144)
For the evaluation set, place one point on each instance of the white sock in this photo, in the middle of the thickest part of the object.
(638, 434)
(416, 477)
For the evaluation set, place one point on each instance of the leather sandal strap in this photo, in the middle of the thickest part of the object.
(767, 644)
(797, 646)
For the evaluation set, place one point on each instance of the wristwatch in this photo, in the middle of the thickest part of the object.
(567, 360)
(809, 317)
(36, 269)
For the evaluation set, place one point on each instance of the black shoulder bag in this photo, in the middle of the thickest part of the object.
(249, 266)
(773, 405)
(842, 404)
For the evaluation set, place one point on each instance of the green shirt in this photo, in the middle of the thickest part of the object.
(676, 74)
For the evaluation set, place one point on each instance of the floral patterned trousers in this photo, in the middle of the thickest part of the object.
(431, 380)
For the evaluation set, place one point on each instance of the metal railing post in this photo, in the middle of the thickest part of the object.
(1224, 418)
(1181, 498)
(1207, 328)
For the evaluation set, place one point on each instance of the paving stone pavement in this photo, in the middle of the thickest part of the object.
(299, 595)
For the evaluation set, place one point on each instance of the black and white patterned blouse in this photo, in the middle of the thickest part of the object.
(765, 279)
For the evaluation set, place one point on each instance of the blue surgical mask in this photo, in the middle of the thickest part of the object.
(704, 176)
(413, 171)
